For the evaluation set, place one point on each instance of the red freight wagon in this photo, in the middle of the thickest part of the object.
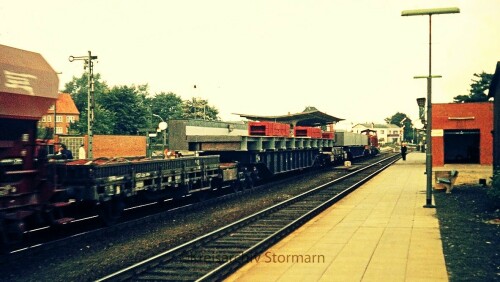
(304, 131)
(327, 135)
(264, 128)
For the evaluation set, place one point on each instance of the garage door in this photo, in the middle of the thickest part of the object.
(461, 146)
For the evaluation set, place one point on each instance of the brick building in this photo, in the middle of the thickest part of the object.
(65, 114)
(461, 133)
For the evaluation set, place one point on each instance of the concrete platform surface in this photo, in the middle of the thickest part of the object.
(380, 232)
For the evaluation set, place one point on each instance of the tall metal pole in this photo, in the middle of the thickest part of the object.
(428, 150)
(428, 155)
(90, 101)
(88, 62)
(55, 123)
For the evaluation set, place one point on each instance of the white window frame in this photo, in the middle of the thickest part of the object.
(59, 118)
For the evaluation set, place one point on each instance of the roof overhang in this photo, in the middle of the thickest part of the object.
(28, 84)
(310, 118)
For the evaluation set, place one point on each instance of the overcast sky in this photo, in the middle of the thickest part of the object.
(351, 59)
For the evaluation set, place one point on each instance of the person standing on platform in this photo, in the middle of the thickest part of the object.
(404, 150)
(81, 152)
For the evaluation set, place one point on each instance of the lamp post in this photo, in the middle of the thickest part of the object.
(88, 62)
(428, 154)
(163, 127)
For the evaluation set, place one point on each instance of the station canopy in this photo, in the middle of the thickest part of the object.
(309, 117)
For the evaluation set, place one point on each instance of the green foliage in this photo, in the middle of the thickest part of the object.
(477, 89)
(78, 89)
(402, 120)
(197, 108)
(129, 109)
(45, 133)
(166, 105)
(128, 104)
(494, 191)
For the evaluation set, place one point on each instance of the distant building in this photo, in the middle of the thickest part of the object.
(65, 114)
(386, 133)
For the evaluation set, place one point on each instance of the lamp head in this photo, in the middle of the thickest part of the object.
(162, 125)
(421, 102)
(429, 12)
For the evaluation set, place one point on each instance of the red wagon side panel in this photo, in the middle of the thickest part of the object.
(28, 84)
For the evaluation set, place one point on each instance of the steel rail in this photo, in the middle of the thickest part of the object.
(40, 246)
(240, 257)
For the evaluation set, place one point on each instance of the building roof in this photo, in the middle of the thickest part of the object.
(64, 105)
(309, 117)
(377, 125)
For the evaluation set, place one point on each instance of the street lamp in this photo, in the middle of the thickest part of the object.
(421, 110)
(163, 127)
(428, 154)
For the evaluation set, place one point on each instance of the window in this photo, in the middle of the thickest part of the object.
(382, 132)
(49, 119)
(43, 119)
(51, 108)
(395, 132)
(70, 119)
(59, 130)
(59, 118)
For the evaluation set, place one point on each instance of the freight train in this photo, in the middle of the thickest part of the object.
(34, 189)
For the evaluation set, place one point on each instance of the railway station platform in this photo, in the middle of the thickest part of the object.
(380, 232)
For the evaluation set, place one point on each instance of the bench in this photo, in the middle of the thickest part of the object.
(445, 179)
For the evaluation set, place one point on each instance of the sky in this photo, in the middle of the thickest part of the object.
(351, 59)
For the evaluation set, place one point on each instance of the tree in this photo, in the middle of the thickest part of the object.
(197, 108)
(166, 105)
(402, 120)
(104, 121)
(78, 89)
(477, 89)
(128, 104)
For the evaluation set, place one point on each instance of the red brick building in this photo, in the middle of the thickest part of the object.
(461, 133)
(65, 114)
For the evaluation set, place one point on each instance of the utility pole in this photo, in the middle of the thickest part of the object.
(88, 63)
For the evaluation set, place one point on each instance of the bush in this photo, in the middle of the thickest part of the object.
(494, 192)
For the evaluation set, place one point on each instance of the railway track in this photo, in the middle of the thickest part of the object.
(217, 254)
(88, 229)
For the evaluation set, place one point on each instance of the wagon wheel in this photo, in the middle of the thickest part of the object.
(52, 214)
(111, 211)
(203, 195)
(11, 232)
(237, 186)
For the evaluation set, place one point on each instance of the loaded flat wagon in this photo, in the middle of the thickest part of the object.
(269, 155)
